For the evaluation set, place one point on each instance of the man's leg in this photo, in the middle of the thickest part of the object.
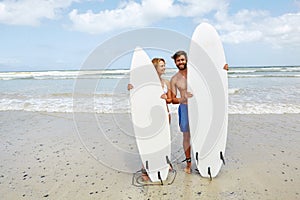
(187, 151)
(184, 127)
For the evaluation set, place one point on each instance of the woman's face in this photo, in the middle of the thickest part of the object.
(161, 67)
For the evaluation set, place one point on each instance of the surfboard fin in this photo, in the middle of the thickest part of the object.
(197, 157)
(169, 162)
(222, 157)
(147, 166)
(209, 173)
(159, 177)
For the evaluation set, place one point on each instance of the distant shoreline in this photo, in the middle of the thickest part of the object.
(128, 68)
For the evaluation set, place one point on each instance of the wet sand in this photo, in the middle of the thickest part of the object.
(87, 156)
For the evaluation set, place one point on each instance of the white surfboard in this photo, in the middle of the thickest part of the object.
(149, 117)
(208, 109)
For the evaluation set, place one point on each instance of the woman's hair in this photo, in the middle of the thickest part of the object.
(155, 61)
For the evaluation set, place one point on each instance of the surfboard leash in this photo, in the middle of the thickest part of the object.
(138, 182)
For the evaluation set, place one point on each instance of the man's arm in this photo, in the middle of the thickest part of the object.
(175, 100)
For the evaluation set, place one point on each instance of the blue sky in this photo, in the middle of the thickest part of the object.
(52, 35)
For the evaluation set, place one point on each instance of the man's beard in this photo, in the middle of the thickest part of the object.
(185, 66)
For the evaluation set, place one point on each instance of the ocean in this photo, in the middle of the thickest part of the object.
(252, 90)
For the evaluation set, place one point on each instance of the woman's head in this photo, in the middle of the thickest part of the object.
(159, 64)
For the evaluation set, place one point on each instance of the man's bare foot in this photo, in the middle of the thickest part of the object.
(188, 170)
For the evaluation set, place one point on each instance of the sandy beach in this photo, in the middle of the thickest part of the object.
(59, 156)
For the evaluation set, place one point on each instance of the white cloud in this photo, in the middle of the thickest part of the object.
(196, 8)
(243, 26)
(260, 26)
(286, 30)
(131, 14)
(30, 12)
(242, 36)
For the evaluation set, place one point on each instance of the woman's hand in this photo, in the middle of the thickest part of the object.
(164, 96)
(129, 86)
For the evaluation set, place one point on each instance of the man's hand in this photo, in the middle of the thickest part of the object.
(185, 97)
(188, 95)
(225, 67)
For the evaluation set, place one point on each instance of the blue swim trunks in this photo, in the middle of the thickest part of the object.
(183, 118)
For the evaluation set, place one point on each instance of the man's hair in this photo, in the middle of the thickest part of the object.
(179, 53)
